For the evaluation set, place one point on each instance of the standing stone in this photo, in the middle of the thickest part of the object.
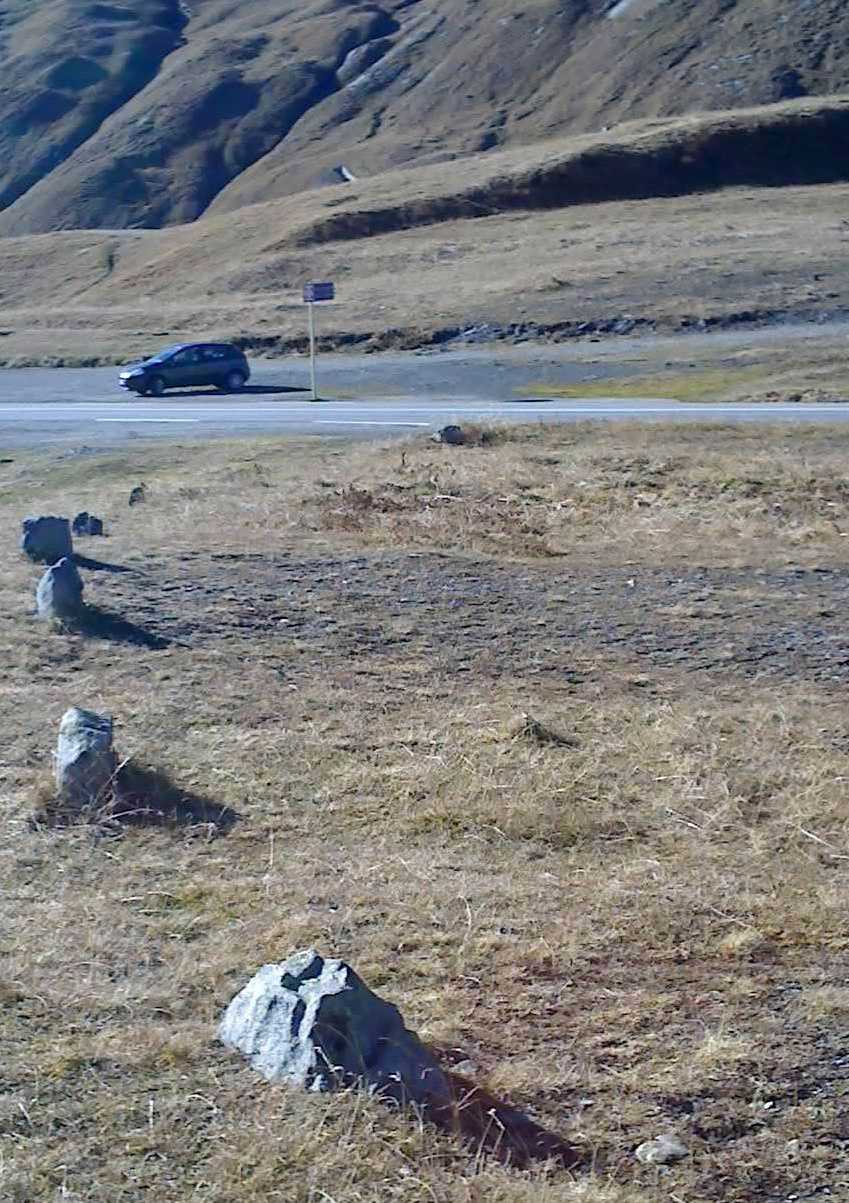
(313, 1023)
(87, 524)
(85, 760)
(59, 593)
(454, 436)
(46, 540)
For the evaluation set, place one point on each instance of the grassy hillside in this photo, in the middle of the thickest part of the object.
(144, 115)
(419, 252)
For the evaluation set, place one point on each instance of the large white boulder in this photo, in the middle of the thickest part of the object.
(313, 1023)
(85, 759)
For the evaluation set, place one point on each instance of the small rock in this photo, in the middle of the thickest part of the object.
(313, 1023)
(663, 1150)
(529, 727)
(87, 524)
(46, 539)
(85, 760)
(452, 435)
(59, 593)
(137, 494)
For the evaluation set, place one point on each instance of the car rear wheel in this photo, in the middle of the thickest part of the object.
(234, 381)
(156, 386)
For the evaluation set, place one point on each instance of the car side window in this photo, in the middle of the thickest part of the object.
(213, 354)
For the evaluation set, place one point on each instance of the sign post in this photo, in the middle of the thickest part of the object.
(313, 293)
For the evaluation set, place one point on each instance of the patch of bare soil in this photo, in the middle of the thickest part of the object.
(467, 616)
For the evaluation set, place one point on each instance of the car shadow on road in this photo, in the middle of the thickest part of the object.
(247, 390)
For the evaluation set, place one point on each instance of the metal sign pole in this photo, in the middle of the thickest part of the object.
(312, 351)
(322, 290)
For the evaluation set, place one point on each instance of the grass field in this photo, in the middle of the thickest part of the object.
(639, 929)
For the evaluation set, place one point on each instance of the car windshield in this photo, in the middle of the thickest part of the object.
(166, 351)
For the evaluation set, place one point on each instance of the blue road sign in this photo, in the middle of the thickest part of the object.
(319, 292)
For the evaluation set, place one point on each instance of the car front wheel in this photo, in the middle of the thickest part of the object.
(156, 386)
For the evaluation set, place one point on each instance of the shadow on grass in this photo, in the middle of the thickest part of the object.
(139, 796)
(147, 797)
(102, 625)
(98, 565)
(493, 1125)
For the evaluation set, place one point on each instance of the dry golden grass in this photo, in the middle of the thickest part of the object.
(640, 929)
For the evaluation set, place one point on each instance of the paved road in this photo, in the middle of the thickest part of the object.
(371, 394)
(112, 422)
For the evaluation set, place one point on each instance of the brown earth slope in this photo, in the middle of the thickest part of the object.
(122, 116)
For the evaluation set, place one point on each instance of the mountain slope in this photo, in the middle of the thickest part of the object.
(146, 115)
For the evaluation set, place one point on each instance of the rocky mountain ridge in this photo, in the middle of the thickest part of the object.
(119, 116)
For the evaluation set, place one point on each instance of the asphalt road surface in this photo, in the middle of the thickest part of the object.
(368, 395)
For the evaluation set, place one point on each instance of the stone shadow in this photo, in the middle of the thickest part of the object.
(101, 624)
(139, 796)
(82, 561)
(148, 797)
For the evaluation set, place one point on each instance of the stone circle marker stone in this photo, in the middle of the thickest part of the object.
(87, 524)
(452, 435)
(312, 1022)
(85, 759)
(59, 593)
(46, 539)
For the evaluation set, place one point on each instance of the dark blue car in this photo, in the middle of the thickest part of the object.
(188, 365)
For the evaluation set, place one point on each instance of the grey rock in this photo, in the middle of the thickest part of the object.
(312, 1022)
(663, 1150)
(361, 58)
(87, 524)
(46, 539)
(59, 593)
(137, 494)
(85, 759)
(452, 435)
